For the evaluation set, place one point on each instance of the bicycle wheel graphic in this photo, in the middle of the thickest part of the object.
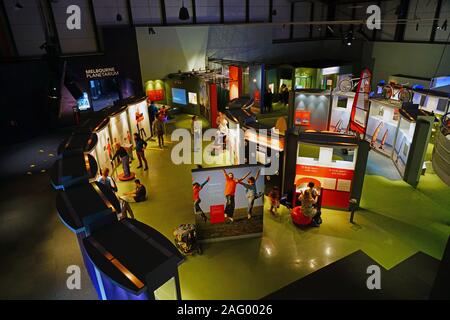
(345, 85)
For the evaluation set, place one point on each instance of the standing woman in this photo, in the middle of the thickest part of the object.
(159, 129)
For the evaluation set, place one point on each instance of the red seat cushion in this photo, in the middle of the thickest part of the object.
(298, 217)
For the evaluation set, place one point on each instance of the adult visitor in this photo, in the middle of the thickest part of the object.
(122, 154)
(107, 181)
(140, 151)
(308, 207)
(196, 131)
(268, 98)
(160, 131)
(284, 93)
(153, 112)
(139, 194)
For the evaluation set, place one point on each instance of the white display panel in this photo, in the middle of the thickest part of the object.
(139, 119)
(103, 149)
(120, 130)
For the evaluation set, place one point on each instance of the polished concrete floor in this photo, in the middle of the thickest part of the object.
(396, 222)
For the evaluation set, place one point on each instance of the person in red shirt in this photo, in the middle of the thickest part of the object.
(196, 188)
(230, 191)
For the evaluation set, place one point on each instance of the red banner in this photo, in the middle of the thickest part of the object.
(303, 118)
(217, 214)
(360, 108)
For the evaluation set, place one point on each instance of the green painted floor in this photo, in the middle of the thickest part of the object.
(397, 221)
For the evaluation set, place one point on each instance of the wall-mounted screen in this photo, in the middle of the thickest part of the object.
(83, 103)
(193, 98)
(179, 96)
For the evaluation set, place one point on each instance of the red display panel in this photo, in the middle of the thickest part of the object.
(235, 74)
(156, 95)
(302, 118)
(213, 103)
(336, 183)
(360, 108)
(217, 214)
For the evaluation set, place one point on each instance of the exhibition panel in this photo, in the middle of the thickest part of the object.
(120, 130)
(228, 202)
(139, 118)
(341, 109)
(104, 149)
(382, 124)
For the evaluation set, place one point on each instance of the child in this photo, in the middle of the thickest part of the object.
(252, 193)
(196, 188)
(274, 196)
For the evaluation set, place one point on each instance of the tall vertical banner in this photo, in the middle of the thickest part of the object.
(213, 104)
(360, 108)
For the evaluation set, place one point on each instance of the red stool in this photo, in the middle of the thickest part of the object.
(132, 176)
(298, 218)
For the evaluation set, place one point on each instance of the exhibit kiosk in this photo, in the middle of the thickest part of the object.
(336, 163)
(411, 142)
(310, 110)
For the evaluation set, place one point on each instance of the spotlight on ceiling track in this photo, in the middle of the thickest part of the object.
(349, 38)
(119, 17)
(18, 6)
(151, 31)
(184, 13)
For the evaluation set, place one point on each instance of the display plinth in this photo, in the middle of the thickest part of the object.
(122, 177)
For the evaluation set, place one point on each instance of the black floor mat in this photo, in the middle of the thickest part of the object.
(347, 279)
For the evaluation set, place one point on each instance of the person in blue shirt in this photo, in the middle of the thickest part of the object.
(140, 151)
(153, 111)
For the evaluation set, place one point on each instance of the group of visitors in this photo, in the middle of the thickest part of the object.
(268, 98)
(139, 194)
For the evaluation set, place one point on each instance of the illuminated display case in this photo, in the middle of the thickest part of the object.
(311, 110)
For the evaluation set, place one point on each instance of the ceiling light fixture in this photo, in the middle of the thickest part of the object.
(184, 12)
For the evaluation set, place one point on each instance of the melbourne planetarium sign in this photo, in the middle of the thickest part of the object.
(101, 73)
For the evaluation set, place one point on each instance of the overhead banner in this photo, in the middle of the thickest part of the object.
(360, 108)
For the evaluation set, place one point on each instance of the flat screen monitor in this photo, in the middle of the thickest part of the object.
(83, 103)
(179, 96)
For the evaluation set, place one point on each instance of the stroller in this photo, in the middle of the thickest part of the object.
(186, 239)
